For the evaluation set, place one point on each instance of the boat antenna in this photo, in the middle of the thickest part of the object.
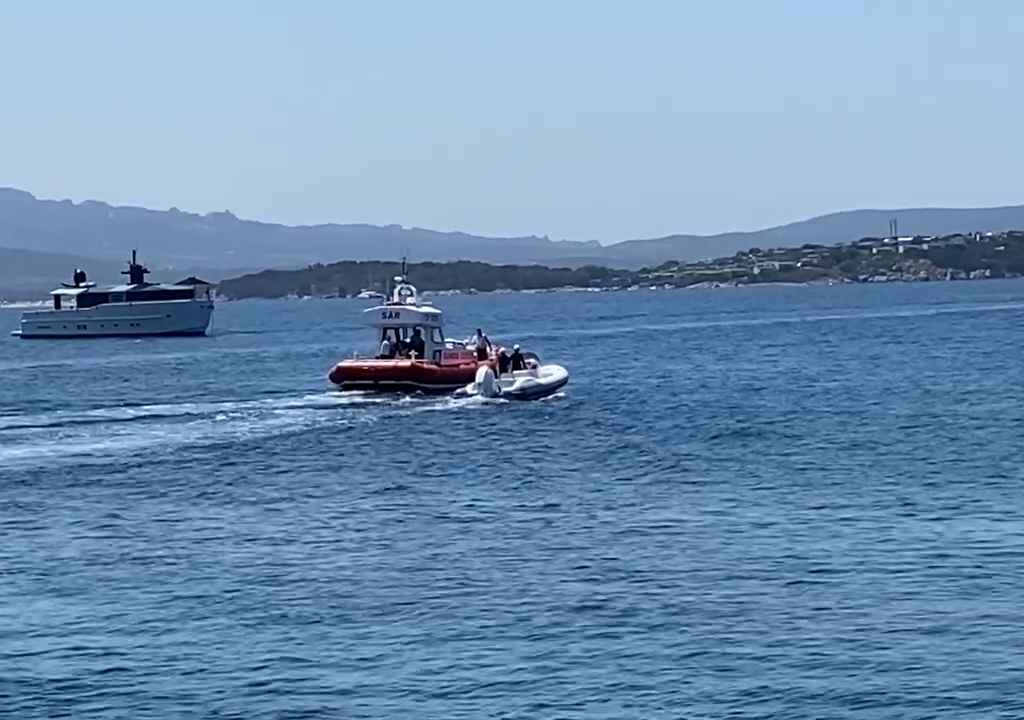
(136, 273)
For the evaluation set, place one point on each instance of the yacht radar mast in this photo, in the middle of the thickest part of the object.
(136, 273)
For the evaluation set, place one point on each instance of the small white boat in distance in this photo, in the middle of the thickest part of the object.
(138, 309)
(536, 382)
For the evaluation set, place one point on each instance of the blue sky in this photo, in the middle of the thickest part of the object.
(580, 120)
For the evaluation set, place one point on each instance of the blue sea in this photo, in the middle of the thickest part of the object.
(748, 503)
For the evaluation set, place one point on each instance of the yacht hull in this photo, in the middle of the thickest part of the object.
(143, 319)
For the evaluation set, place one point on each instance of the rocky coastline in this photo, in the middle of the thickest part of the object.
(918, 258)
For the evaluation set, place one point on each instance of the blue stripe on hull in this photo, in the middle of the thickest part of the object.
(540, 392)
(92, 336)
(397, 387)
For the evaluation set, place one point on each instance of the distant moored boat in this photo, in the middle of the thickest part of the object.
(138, 308)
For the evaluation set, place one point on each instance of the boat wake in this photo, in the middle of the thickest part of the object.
(104, 433)
(460, 403)
(182, 410)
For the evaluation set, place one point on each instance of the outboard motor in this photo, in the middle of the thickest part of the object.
(486, 384)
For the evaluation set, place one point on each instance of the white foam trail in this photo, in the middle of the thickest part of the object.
(47, 439)
(159, 438)
(553, 397)
(111, 432)
(184, 409)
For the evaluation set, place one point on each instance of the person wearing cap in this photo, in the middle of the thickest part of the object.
(518, 362)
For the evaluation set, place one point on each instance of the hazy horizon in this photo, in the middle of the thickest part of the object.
(78, 201)
(577, 121)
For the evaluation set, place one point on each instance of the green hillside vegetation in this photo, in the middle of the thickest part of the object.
(906, 259)
(349, 277)
(916, 258)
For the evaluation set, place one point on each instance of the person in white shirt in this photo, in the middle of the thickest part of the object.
(385, 348)
(482, 344)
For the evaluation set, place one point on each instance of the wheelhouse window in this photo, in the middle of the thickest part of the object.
(92, 299)
(393, 337)
(160, 295)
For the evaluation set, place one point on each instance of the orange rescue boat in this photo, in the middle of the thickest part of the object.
(414, 355)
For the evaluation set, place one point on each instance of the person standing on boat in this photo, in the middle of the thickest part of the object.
(518, 362)
(483, 345)
(504, 361)
(386, 352)
(417, 346)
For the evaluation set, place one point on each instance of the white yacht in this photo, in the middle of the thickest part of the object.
(139, 308)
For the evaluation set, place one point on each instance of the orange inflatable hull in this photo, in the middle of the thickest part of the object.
(403, 375)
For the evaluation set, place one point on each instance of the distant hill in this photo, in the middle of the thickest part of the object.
(830, 229)
(27, 273)
(30, 274)
(221, 240)
(177, 239)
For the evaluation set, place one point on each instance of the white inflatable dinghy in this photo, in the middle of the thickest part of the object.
(531, 384)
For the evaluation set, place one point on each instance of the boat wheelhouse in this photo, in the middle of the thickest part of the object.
(138, 308)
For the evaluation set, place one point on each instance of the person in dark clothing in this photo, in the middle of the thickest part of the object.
(504, 362)
(416, 344)
(517, 361)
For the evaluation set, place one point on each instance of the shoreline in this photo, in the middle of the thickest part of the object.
(603, 290)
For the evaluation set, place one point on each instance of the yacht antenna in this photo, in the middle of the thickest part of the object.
(136, 273)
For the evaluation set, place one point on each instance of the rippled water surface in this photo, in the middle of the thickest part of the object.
(772, 502)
